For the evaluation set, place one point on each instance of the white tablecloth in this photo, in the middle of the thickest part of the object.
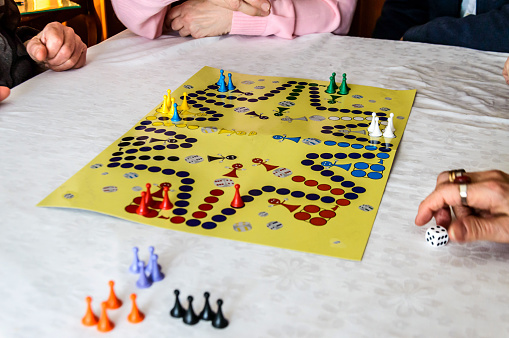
(51, 259)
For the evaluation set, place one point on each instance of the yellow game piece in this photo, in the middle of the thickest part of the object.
(164, 109)
(169, 97)
(184, 105)
(171, 106)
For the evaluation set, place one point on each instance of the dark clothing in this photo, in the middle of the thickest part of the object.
(439, 22)
(16, 65)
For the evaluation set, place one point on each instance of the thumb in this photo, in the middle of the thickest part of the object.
(37, 50)
(473, 228)
(4, 92)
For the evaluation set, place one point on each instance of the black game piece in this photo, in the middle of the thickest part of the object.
(190, 318)
(177, 310)
(219, 322)
(207, 313)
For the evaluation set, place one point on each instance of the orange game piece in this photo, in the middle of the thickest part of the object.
(136, 315)
(237, 199)
(104, 324)
(166, 203)
(90, 319)
(113, 302)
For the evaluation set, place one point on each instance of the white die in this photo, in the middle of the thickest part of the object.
(437, 236)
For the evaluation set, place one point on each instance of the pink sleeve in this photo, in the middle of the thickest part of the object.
(145, 18)
(290, 18)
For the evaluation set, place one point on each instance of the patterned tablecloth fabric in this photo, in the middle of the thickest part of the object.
(51, 259)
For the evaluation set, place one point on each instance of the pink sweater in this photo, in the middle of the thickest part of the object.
(287, 18)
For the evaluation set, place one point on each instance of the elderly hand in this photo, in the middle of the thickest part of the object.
(4, 93)
(199, 18)
(486, 216)
(58, 48)
(249, 7)
(505, 72)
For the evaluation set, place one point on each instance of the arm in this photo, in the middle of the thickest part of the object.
(289, 18)
(486, 31)
(505, 72)
(398, 16)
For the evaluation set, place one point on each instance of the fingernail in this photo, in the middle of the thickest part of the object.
(265, 7)
(459, 233)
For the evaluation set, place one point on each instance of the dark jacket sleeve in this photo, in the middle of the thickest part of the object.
(398, 16)
(488, 31)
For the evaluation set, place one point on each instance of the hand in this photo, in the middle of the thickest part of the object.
(487, 214)
(4, 93)
(199, 18)
(249, 7)
(57, 47)
(505, 72)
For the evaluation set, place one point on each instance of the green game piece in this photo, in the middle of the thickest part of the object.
(343, 89)
(333, 98)
(334, 81)
(331, 89)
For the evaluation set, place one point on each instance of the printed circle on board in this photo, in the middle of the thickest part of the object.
(311, 141)
(130, 175)
(208, 130)
(193, 159)
(274, 225)
(366, 207)
(316, 118)
(241, 109)
(282, 172)
(242, 226)
(68, 196)
(224, 182)
(263, 214)
(95, 166)
(110, 188)
(286, 103)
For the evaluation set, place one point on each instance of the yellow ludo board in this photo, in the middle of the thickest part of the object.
(311, 178)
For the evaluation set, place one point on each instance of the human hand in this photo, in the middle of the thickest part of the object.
(485, 218)
(58, 48)
(249, 7)
(4, 93)
(199, 18)
(505, 72)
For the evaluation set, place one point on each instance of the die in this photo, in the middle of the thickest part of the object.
(437, 236)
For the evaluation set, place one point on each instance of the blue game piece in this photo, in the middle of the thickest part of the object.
(230, 83)
(143, 282)
(155, 274)
(222, 85)
(221, 77)
(175, 118)
(134, 266)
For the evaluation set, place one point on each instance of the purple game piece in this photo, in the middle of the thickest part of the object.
(134, 266)
(143, 282)
(156, 275)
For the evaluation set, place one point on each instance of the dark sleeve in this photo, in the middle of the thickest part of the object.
(488, 31)
(398, 16)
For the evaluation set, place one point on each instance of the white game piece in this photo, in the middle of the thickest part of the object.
(437, 236)
(388, 132)
(376, 131)
(391, 122)
(372, 124)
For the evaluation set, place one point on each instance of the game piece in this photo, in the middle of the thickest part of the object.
(371, 127)
(148, 195)
(391, 122)
(104, 324)
(343, 89)
(148, 268)
(136, 315)
(134, 265)
(143, 281)
(207, 313)
(177, 311)
(155, 273)
(184, 105)
(332, 85)
(222, 85)
(166, 203)
(219, 321)
(190, 318)
(231, 86)
(90, 319)
(221, 77)
(388, 133)
(172, 106)
(376, 130)
(142, 209)
(237, 199)
(168, 99)
(113, 302)
(175, 118)
(437, 236)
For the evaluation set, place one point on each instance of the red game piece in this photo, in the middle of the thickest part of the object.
(90, 319)
(136, 315)
(166, 204)
(104, 324)
(237, 199)
(113, 302)
(142, 209)
(148, 195)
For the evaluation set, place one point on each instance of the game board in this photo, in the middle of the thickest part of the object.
(310, 176)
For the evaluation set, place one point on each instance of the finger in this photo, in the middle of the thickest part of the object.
(53, 36)
(37, 50)
(472, 228)
(249, 9)
(184, 32)
(174, 13)
(443, 216)
(4, 93)
(177, 24)
(68, 52)
(77, 59)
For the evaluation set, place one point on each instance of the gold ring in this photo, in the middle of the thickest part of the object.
(455, 173)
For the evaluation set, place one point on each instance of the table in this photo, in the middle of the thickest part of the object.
(51, 259)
